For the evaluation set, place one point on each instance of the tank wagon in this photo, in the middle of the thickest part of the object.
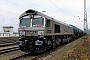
(77, 32)
(39, 32)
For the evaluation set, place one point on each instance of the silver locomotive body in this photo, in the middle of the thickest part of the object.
(39, 32)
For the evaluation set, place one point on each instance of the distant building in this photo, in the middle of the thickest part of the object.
(8, 29)
(8, 32)
(4, 35)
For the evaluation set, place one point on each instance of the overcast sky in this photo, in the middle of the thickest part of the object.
(67, 11)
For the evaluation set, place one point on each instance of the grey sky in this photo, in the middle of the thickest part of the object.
(68, 11)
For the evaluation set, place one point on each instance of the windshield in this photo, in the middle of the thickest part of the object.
(35, 21)
(25, 22)
(38, 22)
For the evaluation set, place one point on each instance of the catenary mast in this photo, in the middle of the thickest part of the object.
(85, 18)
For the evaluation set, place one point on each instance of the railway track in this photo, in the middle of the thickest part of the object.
(20, 56)
(7, 50)
(5, 40)
(24, 56)
(29, 56)
(7, 44)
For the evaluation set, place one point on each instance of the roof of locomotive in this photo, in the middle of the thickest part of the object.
(34, 12)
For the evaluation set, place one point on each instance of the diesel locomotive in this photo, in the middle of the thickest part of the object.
(39, 32)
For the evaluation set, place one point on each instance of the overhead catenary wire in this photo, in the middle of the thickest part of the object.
(63, 2)
(22, 6)
(2, 16)
(58, 8)
(5, 17)
(34, 4)
(38, 5)
(62, 5)
(15, 3)
(8, 11)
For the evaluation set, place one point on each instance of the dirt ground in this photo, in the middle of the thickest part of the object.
(76, 50)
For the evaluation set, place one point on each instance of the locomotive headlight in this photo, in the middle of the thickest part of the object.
(26, 41)
(38, 42)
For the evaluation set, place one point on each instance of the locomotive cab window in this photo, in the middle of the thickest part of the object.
(48, 23)
(25, 22)
(38, 22)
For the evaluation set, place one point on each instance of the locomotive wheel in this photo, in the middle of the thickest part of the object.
(53, 45)
(68, 40)
(45, 49)
(59, 42)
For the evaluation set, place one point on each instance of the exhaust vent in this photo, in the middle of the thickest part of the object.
(30, 12)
